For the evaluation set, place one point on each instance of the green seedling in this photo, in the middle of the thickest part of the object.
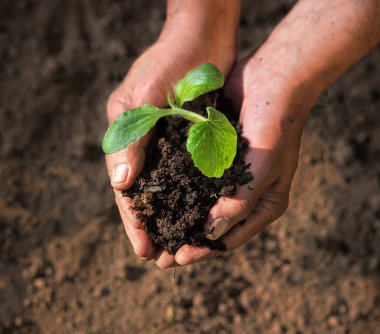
(211, 141)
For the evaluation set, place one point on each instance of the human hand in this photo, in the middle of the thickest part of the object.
(276, 89)
(178, 50)
(272, 115)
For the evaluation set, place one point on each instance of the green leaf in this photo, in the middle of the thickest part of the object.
(197, 82)
(212, 144)
(131, 126)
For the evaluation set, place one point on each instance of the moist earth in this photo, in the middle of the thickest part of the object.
(172, 197)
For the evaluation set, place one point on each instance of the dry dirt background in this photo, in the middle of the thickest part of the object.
(66, 265)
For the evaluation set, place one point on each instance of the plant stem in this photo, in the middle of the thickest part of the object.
(190, 116)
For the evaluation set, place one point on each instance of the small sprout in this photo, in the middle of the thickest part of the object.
(211, 141)
(197, 82)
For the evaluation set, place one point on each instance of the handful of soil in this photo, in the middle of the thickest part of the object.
(171, 195)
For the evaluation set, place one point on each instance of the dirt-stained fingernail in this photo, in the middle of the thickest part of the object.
(120, 173)
(217, 228)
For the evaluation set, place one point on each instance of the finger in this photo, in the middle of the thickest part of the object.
(138, 238)
(189, 254)
(164, 260)
(229, 215)
(228, 211)
(267, 210)
(125, 204)
(124, 166)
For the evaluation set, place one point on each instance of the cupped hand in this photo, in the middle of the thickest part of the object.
(273, 112)
(149, 80)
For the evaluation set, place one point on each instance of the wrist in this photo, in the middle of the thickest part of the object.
(274, 113)
(214, 22)
(311, 51)
(277, 93)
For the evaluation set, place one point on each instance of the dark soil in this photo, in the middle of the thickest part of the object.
(171, 195)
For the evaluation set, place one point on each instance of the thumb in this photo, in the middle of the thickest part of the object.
(269, 207)
(124, 166)
(229, 211)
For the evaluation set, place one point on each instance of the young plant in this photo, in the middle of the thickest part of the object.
(211, 141)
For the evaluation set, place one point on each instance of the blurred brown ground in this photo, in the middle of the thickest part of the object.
(66, 265)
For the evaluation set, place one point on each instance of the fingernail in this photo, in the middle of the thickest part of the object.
(217, 228)
(120, 173)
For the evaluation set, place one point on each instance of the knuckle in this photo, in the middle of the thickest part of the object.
(145, 89)
(117, 103)
(148, 92)
(151, 90)
(245, 206)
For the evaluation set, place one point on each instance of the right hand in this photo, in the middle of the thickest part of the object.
(149, 80)
(272, 114)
